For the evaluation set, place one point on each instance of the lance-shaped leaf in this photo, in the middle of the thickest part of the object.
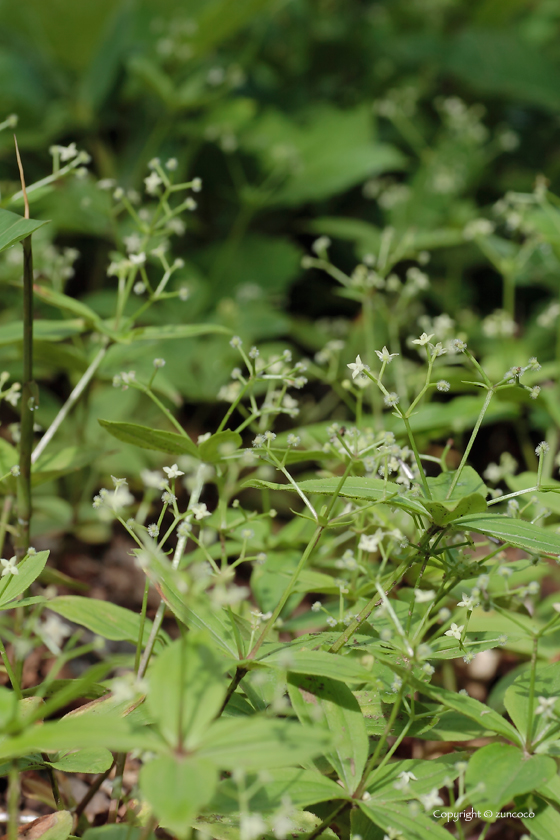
(147, 438)
(517, 532)
(14, 228)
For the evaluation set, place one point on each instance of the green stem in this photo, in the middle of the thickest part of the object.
(13, 801)
(142, 625)
(467, 451)
(531, 702)
(28, 400)
(288, 591)
(417, 457)
(70, 402)
(10, 671)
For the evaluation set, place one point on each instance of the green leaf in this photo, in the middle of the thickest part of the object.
(505, 771)
(542, 821)
(213, 450)
(463, 704)
(516, 698)
(517, 532)
(177, 787)
(203, 617)
(187, 689)
(373, 490)
(419, 827)
(220, 827)
(342, 717)
(42, 331)
(83, 761)
(317, 663)
(28, 571)
(101, 617)
(147, 438)
(304, 787)
(67, 304)
(55, 826)
(14, 228)
(53, 465)
(170, 331)
(123, 831)
(429, 775)
(261, 744)
(468, 496)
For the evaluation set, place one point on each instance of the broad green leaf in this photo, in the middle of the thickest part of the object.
(395, 817)
(525, 480)
(147, 438)
(516, 698)
(177, 787)
(101, 617)
(542, 819)
(429, 775)
(67, 304)
(203, 617)
(55, 826)
(29, 570)
(373, 490)
(122, 831)
(468, 496)
(342, 717)
(14, 228)
(170, 331)
(463, 704)
(304, 787)
(83, 761)
(42, 331)
(187, 689)
(261, 744)
(56, 464)
(220, 827)
(506, 771)
(70, 733)
(318, 663)
(517, 532)
(222, 443)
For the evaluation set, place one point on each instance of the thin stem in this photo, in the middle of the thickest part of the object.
(416, 456)
(10, 671)
(142, 625)
(69, 404)
(13, 801)
(530, 720)
(83, 803)
(4, 518)
(288, 591)
(466, 454)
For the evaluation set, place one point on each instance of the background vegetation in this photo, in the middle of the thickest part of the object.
(419, 137)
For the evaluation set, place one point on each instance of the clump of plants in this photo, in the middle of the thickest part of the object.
(328, 564)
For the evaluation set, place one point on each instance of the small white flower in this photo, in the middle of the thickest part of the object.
(370, 542)
(171, 164)
(139, 288)
(385, 356)
(153, 182)
(316, 606)
(10, 566)
(546, 706)
(236, 342)
(67, 152)
(159, 363)
(431, 800)
(53, 631)
(468, 601)
(332, 622)
(200, 511)
(356, 367)
(15, 470)
(404, 780)
(541, 448)
(455, 631)
(251, 826)
(119, 482)
(137, 259)
(443, 385)
(423, 340)
(173, 471)
(391, 399)
(153, 530)
(168, 498)
(423, 596)
(196, 184)
(293, 440)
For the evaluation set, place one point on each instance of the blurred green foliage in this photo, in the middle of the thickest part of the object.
(303, 118)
